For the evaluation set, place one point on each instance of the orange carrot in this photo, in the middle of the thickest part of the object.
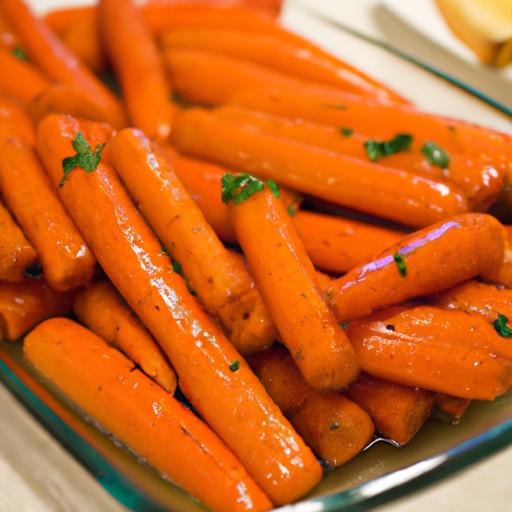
(14, 122)
(346, 181)
(64, 99)
(220, 279)
(52, 56)
(59, 19)
(421, 264)
(446, 351)
(24, 186)
(231, 400)
(286, 279)
(138, 65)
(503, 274)
(102, 310)
(335, 427)
(397, 411)
(24, 305)
(19, 79)
(141, 415)
(16, 253)
(450, 408)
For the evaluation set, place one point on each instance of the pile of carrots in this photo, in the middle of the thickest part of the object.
(180, 232)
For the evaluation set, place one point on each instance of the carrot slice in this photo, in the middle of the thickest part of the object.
(286, 279)
(103, 311)
(233, 402)
(421, 264)
(446, 351)
(141, 415)
(16, 253)
(24, 305)
(137, 62)
(52, 56)
(397, 411)
(334, 426)
(217, 275)
(346, 181)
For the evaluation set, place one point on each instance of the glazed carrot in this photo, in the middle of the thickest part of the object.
(286, 279)
(24, 305)
(24, 186)
(450, 408)
(190, 70)
(503, 274)
(221, 280)
(52, 56)
(421, 264)
(334, 426)
(231, 400)
(102, 310)
(480, 182)
(14, 122)
(141, 415)
(368, 187)
(445, 351)
(397, 411)
(64, 99)
(19, 79)
(137, 63)
(16, 253)
(8, 38)
(474, 297)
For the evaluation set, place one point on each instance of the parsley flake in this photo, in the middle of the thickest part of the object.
(501, 326)
(400, 263)
(346, 132)
(344, 325)
(19, 54)
(436, 155)
(239, 187)
(84, 158)
(272, 185)
(234, 366)
(292, 210)
(378, 149)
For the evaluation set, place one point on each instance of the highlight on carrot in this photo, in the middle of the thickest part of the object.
(141, 415)
(211, 372)
(334, 426)
(287, 282)
(24, 305)
(104, 312)
(220, 279)
(421, 264)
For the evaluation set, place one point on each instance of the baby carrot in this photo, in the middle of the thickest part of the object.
(189, 70)
(24, 305)
(397, 411)
(64, 99)
(140, 414)
(346, 181)
(212, 374)
(445, 351)
(334, 426)
(14, 122)
(52, 56)
(20, 80)
(421, 264)
(220, 279)
(67, 262)
(286, 279)
(16, 253)
(450, 408)
(102, 310)
(137, 62)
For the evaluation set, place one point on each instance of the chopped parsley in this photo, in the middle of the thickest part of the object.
(239, 187)
(400, 263)
(344, 325)
(501, 326)
(346, 132)
(292, 210)
(234, 366)
(378, 149)
(84, 158)
(176, 266)
(436, 155)
(19, 54)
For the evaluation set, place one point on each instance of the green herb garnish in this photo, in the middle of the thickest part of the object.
(239, 187)
(176, 266)
(346, 132)
(84, 158)
(292, 210)
(379, 149)
(400, 263)
(234, 366)
(272, 185)
(501, 326)
(436, 155)
(19, 54)
(344, 325)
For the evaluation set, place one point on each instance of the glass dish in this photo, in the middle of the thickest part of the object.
(382, 472)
